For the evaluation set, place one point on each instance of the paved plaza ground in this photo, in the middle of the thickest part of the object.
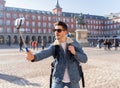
(101, 71)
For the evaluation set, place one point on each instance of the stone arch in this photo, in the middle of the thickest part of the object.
(15, 40)
(27, 40)
(1, 39)
(49, 39)
(39, 39)
(33, 38)
(8, 40)
(45, 38)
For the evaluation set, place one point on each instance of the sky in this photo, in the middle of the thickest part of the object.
(93, 7)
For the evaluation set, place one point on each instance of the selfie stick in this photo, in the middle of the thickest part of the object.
(18, 23)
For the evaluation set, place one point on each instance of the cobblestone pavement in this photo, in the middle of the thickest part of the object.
(101, 71)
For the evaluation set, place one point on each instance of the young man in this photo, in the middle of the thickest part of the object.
(65, 71)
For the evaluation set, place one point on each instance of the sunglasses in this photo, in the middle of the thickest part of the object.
(58, 30)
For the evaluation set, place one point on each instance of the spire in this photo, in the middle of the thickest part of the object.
(57, 5)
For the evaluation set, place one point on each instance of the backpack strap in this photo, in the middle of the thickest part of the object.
(79, 69)
(81, 73)
(56, 54)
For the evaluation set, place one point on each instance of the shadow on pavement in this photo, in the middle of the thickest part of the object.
(17, 80)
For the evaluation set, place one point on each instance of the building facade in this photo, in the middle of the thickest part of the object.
(38, 24)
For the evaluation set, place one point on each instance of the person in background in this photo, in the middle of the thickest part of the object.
(43, 44)
(65, 52)
(36, 45)
(21, 44)
(116, 42)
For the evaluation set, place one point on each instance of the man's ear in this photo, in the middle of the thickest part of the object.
(66, 32)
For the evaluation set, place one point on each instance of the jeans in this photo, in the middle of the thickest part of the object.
(21, 48)
(62, 85)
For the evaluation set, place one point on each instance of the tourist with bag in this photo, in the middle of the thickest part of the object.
(66, 71)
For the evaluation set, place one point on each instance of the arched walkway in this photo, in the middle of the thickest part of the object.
(15, 40)
(27, 40)
(1, 39)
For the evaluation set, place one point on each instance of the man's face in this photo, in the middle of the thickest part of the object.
(60, 33)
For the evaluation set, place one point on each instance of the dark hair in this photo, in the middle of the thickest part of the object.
(62, 24)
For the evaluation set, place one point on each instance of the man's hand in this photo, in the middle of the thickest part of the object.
(29, 56)
(72, 49)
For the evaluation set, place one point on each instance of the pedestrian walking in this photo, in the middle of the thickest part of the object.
(66, 52)
(33, 45)
(116, 43)
(21, 45)
(109, 43)
(43, 44)
(36, 45)
(105, 44)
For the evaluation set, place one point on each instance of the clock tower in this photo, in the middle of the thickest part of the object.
(57, 10)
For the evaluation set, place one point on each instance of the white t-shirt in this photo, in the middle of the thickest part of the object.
(66, 78)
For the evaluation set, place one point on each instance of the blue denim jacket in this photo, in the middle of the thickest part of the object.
(64, 59)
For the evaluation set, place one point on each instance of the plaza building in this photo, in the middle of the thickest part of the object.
(39, 24)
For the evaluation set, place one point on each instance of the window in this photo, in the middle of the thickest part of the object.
(33, 17)
(111, 26)
(27, 17)
(88, 27)
(1, 22)
(59, 13)
(59, 19)
(39, 18)
(21, 15)
(39, 24)
(9, 30)
(1, 30)
(39, 31)
(72, 26)
(67, 19)
(44, 24)
(44, 31)
(28, 30)
(33, 30)
(1, 14)
(71, 19)
(8, 22)
(14, 15)
(49, 18)
(8, 15)
(44, 18)
(49, 30)
(49, 25)
(1, 7)
(15, 30)
(64, 20)
(115, 26)
(33, 24)
(27, 23)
